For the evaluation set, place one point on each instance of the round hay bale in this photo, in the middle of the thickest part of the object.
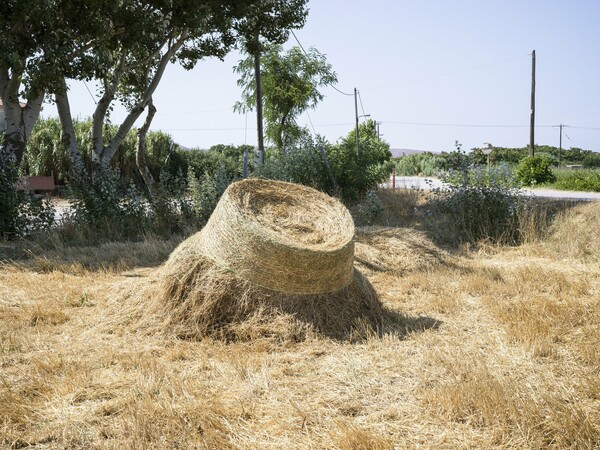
(282, 236)
(275, 260)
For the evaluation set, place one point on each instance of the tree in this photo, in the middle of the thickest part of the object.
(271, 20)
(290, 83)
(358, 174)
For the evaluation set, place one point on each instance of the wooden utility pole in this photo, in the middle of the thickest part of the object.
(356, 115)
(532, 121)
(259, 106)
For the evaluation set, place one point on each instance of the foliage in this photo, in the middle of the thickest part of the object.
(20, 211)
(301, 164)
(577, 180)
(420, 164)
(290, 82)
(371, 208)
(46, 155)
(533, 170)
(591, 161)
(101, 202)
(206, 191)
(357, 174)
(479, 205)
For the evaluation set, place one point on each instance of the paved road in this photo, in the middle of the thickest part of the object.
(428, 183)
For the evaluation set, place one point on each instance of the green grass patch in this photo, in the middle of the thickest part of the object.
(576, 180)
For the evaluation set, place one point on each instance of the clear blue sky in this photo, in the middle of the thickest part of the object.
(461, 64)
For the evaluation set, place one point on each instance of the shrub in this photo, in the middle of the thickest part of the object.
(425, 164)
(591, 161)
(478, 205)
(20, 211)
(102, 204)
(303, 164)
(205, 191)
(357, 174)
(578, 180)
(534, 169)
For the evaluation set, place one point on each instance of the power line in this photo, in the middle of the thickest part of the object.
(441, 75)
(90, 92)
(302, 48)
(585, 128)
(464, 125)
(361, 104)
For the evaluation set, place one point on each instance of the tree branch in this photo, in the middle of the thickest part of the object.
(137, 110)
(99, 115)
(140, 156)
(69, 139)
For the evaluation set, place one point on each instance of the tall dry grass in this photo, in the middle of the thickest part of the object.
(500, 350)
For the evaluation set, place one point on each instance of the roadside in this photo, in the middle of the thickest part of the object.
(426, 184)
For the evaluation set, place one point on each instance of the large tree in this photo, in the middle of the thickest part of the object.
(268, 22)
(290, 83)
(124, 45)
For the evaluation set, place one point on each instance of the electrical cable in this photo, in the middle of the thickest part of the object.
(464, 125)
(90, 92)
(466, 69)
(361, 104)
(302, 48)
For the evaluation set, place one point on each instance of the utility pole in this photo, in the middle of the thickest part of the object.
(259, 105)
(356, 116)
(532, 121)
(560, 145)
(560, 141)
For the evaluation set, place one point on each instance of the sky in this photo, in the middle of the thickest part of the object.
(431, 72)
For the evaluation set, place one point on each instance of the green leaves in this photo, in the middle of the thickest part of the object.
(290, 85)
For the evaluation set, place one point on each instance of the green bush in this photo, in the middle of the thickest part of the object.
(578, 180)
(425, 164)
(534, 170)
(21, 212)
(303, 164)
(357, 174)
(591, 161)
(205, 191)
(478, 204)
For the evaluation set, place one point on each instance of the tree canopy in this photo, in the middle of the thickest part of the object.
(290, 82)
(125, 45)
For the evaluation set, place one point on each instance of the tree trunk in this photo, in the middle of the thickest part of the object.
(138, 109)
(140, 156)
(69, 139)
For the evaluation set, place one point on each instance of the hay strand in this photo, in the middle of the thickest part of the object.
(275, 260)
(282, 236)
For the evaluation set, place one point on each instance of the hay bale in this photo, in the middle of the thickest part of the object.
(275, 259)
(282, 236)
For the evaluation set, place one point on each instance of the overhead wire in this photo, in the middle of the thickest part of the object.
(445, 74)
(361, 103)
(302, 48)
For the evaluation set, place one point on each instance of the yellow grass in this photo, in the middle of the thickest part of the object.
(500, 349)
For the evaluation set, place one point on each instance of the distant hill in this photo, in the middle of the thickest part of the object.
(397, 152)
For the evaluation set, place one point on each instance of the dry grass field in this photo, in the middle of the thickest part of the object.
(495, 347)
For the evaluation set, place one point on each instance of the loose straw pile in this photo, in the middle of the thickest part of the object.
(275, 259)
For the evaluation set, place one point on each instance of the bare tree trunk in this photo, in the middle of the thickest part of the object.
(13, 147)
(99, 116)
(69, 139)
(138, 109)
(140, 156)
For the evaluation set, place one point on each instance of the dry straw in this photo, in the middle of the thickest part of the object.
(282, 236)
(275, 259)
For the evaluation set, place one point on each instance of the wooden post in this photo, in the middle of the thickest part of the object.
(394, 179)
(532, 121)
(356, 115)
